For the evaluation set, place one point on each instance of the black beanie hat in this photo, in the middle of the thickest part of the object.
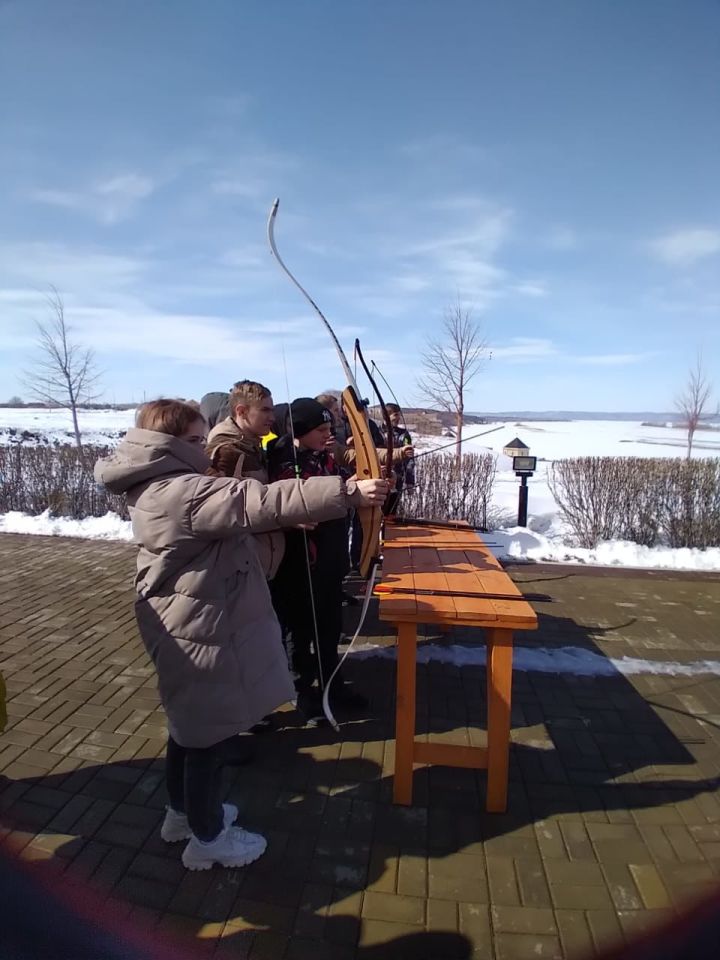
(307, 414)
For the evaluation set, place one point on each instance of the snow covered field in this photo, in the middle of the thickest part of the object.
(545, 537)
(55, 426)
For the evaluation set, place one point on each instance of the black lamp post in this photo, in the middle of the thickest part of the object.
(524, 467)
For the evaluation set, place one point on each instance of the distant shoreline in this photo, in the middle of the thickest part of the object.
(645, 417)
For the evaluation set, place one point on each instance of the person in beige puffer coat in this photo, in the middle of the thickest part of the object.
(203, 607)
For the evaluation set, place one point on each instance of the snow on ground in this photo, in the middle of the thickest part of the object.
(577, 661)
(520, 543)
(109, 527)
(98, 427)
(545, 538)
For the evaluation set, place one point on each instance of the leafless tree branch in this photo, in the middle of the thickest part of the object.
(450, 363)
(65, 373)
(691, 403)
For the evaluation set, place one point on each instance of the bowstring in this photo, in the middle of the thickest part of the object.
(306, 545)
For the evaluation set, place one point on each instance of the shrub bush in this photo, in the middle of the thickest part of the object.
(441, 493)
(34, 479)
(648, 501)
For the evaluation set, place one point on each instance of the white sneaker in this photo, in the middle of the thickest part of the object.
(176, 827)
(234, 847)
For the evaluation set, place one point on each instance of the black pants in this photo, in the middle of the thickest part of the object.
(193, 776)
(292, 601)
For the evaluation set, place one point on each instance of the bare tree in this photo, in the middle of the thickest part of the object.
(691, 403)
(449, 364)
(65, 375)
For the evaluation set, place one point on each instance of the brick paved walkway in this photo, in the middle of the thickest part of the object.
(614, 815)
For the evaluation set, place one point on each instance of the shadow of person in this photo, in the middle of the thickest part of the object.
(99, 827)
(584, 738)
(45, 917)
(583, 745)
(324, 802)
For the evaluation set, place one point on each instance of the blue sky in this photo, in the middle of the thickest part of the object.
(554, 165)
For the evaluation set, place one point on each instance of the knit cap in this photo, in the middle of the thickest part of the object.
(307, 414)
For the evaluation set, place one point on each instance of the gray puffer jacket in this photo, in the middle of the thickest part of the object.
(203, 605)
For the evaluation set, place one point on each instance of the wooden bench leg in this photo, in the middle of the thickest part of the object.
(405, 713)
(499, 693)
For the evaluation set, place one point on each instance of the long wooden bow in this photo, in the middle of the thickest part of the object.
(389, 443)
(367, 461)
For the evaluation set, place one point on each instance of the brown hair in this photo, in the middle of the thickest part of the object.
(167, 416)
(246, 392)
(328, 400)
(392, 408)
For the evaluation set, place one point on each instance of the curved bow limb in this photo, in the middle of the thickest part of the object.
(386, 416)
(367, 463)
(367, 467)
(367, 460)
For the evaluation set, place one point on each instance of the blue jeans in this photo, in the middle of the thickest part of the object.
(193, 776)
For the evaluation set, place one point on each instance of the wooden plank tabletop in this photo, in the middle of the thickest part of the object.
(452, 561)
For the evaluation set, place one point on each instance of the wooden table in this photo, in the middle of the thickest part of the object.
(471, 590)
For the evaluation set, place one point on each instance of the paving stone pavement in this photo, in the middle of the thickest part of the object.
(614, 813)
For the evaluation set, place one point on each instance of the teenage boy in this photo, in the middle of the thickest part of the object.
(235, 449)
(307, 590)
(234, 444)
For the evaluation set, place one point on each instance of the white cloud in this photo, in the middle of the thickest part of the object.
(531, 289)
(482, 238)
(114, 306)
(192, 338)
(108, 201)
(126, 324)
(386, 300)
(249, 256)
(456, 247)
(57, 198)
(88, 269)
(612, 359)
(248, 186)
(128, 187)
(459, 260)
(684, 247)
(530, 350)
(411, 283)
(525, 349)
(256, 174)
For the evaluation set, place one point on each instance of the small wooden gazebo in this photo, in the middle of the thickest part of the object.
(516, 448)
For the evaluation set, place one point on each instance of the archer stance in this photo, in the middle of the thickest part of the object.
(308, 587)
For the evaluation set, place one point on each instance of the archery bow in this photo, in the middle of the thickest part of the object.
(379, 372)
(425, 453)
(389, 446)
(367, 463)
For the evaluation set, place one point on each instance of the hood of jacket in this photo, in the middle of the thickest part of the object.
(145, 455)
(280, 423)
(214, 407)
